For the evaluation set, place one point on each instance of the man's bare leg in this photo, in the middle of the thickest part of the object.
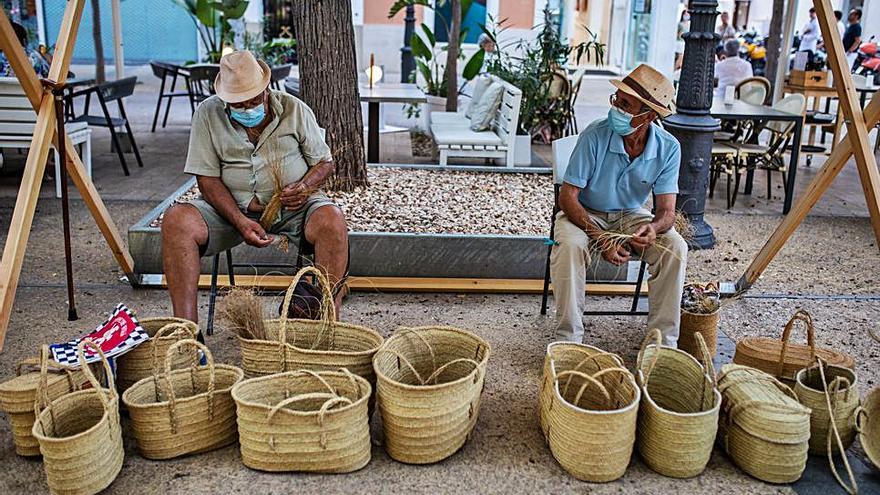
(183, 231)
(327, 231)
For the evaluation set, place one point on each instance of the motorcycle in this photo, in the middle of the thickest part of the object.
(868, 60)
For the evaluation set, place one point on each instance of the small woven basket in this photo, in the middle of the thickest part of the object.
(678, 416)
(868, 425)
(17, 397)
(841, 385)
(782, 359)
(322, 345)
(704, 325)
(79, 433)
(137, 364)
(762, 426)
(430, 380)
(184, 411)
(304, 421)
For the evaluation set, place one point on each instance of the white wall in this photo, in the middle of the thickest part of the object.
(871, 19)
(664, 29)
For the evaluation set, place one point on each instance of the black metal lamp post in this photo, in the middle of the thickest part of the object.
(407, 62)
(692, 124)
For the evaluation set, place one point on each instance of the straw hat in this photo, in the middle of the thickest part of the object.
(651, 87)
(241, 77)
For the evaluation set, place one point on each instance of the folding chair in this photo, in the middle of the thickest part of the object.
(562, 149)
(163, 71)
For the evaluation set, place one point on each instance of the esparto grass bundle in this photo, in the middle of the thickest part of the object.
(79, 433)
(140, 362)
(429, 384)
(762, 426)
(304, 421)
(184, 411)
(868, 425)
(701, 318)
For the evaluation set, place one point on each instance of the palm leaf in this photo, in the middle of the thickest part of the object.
(429, 34)
(419, 49)
(473, 66)
(401, 4)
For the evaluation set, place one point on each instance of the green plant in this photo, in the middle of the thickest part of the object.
(211, 18)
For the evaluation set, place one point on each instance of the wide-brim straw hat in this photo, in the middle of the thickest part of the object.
(241, 77)
(651, 87)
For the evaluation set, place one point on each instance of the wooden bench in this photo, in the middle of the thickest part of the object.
(17, 120)
(454, 137)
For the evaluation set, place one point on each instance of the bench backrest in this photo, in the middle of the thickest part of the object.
(17, 116)
(507, 118)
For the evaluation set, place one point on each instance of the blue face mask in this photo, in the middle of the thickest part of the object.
(621, 122)
(250, 117)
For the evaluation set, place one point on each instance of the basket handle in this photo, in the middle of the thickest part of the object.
(328, 308)
(41, 400)
(858, 414)
(417, 333)
(591, 357)
(657, 337)
(800, 315)
(315, 376)
(52, 364)
(589, 380)
(436, 374)
(87, 370)
(760, 377)
(853, 487)
(169, 392)
(403, 358)
(332, 400)
(168, 329)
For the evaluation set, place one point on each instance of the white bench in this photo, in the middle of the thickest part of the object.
(454, 137)
(17, 121)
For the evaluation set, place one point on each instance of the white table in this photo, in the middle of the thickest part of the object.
(385, 93)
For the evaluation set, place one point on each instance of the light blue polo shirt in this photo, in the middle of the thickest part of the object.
(609, 180)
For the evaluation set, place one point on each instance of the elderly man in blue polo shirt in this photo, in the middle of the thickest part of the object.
(617, 163)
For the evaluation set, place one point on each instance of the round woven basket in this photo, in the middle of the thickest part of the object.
(706, 325)
(868, 425)
(79, 433)
(140, 362)
(591, 422)
(678, 416)
(304, 421)
(430, 380)
(841, 384)
(184, 411)
(17, 397)
(322, 345)
(762, 426)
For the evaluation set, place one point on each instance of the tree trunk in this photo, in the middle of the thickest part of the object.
(776, 53)
(100, 77)
(329, 84)
(452, 57)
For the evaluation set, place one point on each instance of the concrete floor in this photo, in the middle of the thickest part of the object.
(831, 254)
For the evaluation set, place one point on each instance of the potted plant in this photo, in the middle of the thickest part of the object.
(211, 18)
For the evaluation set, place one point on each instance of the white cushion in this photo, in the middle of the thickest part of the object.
(464, 136)
(481, 84)
(455, 119)
(487, 107)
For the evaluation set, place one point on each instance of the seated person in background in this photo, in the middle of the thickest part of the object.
(41, 67)
(617, 163)
(236, 137)
(732, 69)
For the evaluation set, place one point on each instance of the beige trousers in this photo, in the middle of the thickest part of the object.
(573, 252)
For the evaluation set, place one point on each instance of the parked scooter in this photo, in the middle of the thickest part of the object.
(868, 60)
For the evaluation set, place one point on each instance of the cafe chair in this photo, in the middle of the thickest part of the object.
(164, 72)
(562, 149)
(279, 74)
(200, 84)
(725, 160)
(754, 90)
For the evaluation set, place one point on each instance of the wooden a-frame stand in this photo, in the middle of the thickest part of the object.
(855, 143)
(44, 134)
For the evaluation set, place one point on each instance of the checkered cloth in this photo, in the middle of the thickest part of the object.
(119, 334)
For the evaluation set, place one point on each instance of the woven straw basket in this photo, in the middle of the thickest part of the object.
(322, 345)
(430, 380)
(868, 425)
(782, 359)
(591, 421)
(138, 363)
(304, 421)
(79, 433)
(184, 411)
(762, 426)
(678, 416)
(17, 397)
(705, 325)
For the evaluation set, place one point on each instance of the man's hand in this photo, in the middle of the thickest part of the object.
(254, 234)
(644, 237)
(295, 195)
(615, 253)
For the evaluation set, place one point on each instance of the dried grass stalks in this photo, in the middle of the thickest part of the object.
(276, 167)
(242, 311)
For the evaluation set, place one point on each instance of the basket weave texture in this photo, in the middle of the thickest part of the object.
(79, 433)
(430, 381)
(185, 411)
(137, 364)
(304, 421)
(868, 425)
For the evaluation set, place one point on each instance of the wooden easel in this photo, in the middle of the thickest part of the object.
(855, 143)
(44, 134)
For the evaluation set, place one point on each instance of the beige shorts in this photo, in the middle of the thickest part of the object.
(222, 235)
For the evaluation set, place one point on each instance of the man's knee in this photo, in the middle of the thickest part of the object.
(674, 246)
(327, 223)
(183, 222)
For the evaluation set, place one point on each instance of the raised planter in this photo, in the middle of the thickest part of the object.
(522, 150)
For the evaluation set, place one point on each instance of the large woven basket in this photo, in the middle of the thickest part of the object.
(139, 363)
(591, 421)
(79, 433)
(430, 380)
(678, 416)
(322, 345)
(762, 426)
(17, 397)
(782, 359)
(304, 421)
(868, 425)
(184, 411)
